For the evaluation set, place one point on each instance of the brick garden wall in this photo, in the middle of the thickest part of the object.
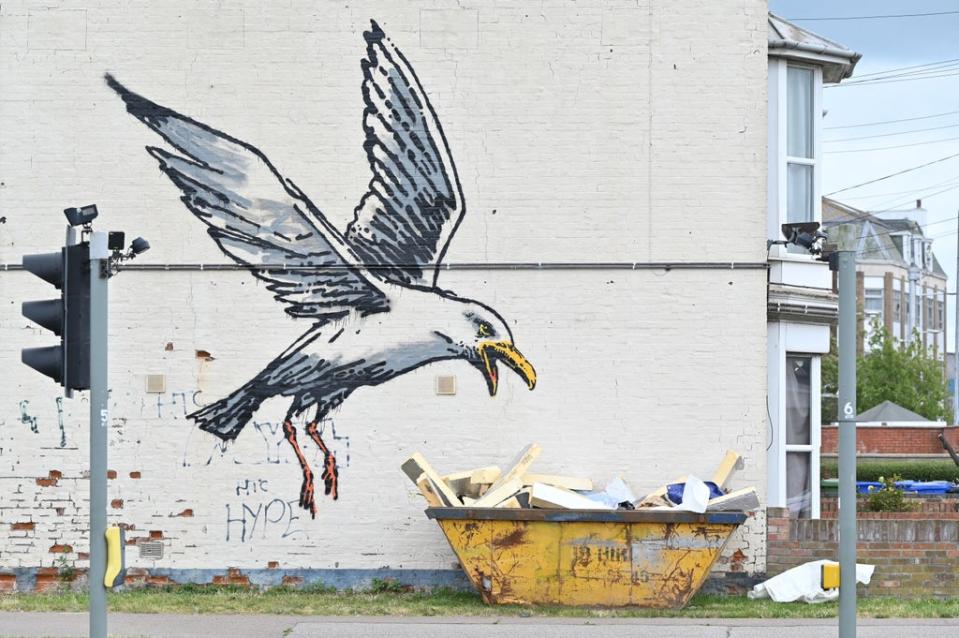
(916, 554)
(893, 440)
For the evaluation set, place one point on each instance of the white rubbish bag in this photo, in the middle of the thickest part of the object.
(804, 583)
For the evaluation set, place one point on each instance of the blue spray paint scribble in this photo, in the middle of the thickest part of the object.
(27, 419)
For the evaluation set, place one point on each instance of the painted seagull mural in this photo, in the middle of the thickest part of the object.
(369, 296)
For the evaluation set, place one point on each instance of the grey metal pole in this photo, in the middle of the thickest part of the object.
(99, 420)
(847, 443)
(955, 339)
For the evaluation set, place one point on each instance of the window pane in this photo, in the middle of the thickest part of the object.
(799, 112)
(798, 399)
(873, 302)
(799, 194)
(799, 484)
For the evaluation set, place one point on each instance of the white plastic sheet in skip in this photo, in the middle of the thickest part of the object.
(804, 583)
(695, 495)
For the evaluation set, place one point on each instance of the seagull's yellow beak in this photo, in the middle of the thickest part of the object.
(492, 351)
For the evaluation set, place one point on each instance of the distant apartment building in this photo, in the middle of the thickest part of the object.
(900, 284)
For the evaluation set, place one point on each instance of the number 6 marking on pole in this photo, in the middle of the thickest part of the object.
(847, 409)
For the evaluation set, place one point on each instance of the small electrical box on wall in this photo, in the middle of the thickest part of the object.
(156, 383)
(446, 385)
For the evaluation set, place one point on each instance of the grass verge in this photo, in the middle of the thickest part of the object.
(230, 600)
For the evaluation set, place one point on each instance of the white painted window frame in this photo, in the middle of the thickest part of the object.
(778, 160)
(814, 448)
(778, 350)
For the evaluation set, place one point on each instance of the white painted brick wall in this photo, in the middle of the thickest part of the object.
(583, 132)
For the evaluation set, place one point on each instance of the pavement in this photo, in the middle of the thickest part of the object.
(50, 625)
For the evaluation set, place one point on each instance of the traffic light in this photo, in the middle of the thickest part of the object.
(68, 317)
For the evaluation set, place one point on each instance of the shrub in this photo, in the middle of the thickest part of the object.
(888, 498)
(938, 470)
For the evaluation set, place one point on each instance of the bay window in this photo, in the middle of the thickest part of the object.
(800, 149)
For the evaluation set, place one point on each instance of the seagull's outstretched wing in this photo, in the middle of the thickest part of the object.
(415, 202)
(257, 217)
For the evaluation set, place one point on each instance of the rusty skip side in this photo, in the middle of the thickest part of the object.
(530, 557)
(612, 516)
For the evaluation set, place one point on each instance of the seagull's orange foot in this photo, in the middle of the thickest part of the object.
(330, 474)
(307, 499)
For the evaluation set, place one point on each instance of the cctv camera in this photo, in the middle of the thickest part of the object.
(139, 245)
(81, 216)
(803, 234)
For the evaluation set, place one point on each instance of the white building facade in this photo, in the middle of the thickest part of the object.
(802, 306)
(613, 162)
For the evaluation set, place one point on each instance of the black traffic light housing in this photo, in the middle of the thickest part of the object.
(67, 317)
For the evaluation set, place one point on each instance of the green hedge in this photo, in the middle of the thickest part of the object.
(944, 470)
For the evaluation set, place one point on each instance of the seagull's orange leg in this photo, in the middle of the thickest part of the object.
(307, 501)
(330, 474)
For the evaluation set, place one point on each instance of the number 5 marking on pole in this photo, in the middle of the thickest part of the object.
(104, 417)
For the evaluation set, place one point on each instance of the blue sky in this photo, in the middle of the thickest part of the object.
(886, 44)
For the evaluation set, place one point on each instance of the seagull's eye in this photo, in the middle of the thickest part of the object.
(484, 330)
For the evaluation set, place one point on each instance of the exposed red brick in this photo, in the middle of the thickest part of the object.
(136, 577)
(736, 561)
(233, 577)
(117, 503)
(134, 475)
(83, 556)
(187, 513)
(47, 583)
(56, 548)
(292, 581)
(156, 534)
(52, 477)
(272, 564)
(21, 527)
(159, 581)
(8, 582)
(111, 474)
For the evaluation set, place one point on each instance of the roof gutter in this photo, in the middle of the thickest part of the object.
(818, 49)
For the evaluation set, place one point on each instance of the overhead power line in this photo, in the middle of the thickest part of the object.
(914, 191)
(878, 81)
(877, 17)
(907, 68)
(882, 122)
(926, 69)
(915, 130)
(897, 173)
(887, 148)
(903, 202)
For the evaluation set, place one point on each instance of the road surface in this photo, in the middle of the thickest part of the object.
(57, 625)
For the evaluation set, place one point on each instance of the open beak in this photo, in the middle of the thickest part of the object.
(492, 351)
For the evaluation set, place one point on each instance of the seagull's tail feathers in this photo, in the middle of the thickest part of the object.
(227, 417)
